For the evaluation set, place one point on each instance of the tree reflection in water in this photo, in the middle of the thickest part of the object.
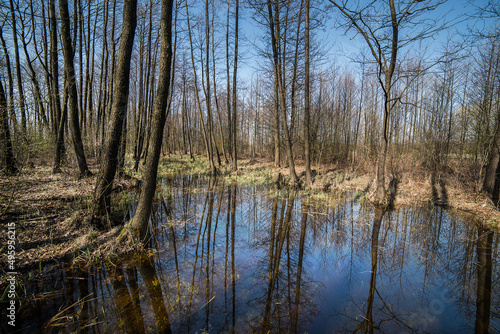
(228, 259)
(484, 271)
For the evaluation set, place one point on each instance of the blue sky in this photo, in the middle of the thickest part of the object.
(341, 46)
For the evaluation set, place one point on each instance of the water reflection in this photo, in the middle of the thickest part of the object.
(367, 324)
(228, 259)
(484, 272)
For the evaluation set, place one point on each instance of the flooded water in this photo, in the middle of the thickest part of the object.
(247, 259)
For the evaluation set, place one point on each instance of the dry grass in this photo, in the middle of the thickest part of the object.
(49, 211)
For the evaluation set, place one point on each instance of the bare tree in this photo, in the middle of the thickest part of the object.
(206, 132)
(489, 108)
(379, 25)
(58, 115)
(9, 76)
(234, 158)
(7, 155)
(71, 87)
(307, 139)
(278, 77)
(22, 105)
(139, 223)
(102, 196)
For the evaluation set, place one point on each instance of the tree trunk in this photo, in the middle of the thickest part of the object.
(491, 177)
(307, 102)
(7, 156)
(278, 75)
(10, 79)
(206, 136)
(216, 97)
(139, 223)
(234, 163)
(120, 169)
(276, 134)
(102, 200)
(58, 158)
(101, 105)
(138, 133)
(380, 179)
(34, 80)
(71, 86)
(228, 87)
(208, 97)
(22, 106)
(54, 89)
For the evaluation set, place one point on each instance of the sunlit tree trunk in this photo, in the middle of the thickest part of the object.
(9, 78)
(381, 34)
(114, 133)
(307, 152)
(234, 163)
(228, 86)
(34, 80)
(208, 97)
(101, 105)
(278, 76)
(276, 124)
(71, 86)
(382, 154)
(216, 96)
(206, 136)
(139, 223)
(22, 105)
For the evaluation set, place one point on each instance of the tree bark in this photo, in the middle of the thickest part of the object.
(58, 158)
(71, 86)
(139, 223)
(380, 179)
(34, 80)
(206, 137)
(228, 87)
(56, 110)
(282, 94)
(276, 130)
(491, 177)
(7, 156)
(307, 102)
(102, 197)
(9, 78)
(208, 97)
(22, 106)
(234, 160)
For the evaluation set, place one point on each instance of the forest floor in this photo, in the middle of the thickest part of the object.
(45, 206)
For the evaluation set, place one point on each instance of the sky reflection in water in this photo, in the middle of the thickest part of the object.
(243, 259)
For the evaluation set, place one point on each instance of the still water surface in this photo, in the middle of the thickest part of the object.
(247, 259)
